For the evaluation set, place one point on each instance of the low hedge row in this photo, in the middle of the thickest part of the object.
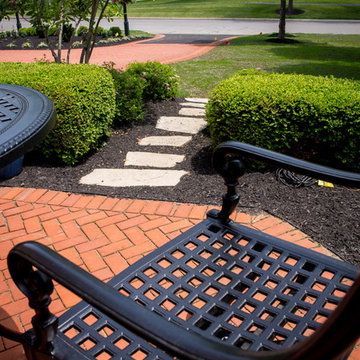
(315, 118)
(84, 99)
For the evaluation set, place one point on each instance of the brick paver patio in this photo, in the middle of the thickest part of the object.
(102, 235)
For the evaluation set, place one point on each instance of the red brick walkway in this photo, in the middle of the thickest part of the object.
(120, 55)
(102, 235)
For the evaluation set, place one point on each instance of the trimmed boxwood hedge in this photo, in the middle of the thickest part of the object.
(315, 118)
(84, 99)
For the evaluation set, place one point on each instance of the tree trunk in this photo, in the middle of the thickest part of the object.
(45, 29)
(61, 27)
(18, 23)
(290, 9)
(88, 55)
(90, 33)
(72, 39)
(281, 35)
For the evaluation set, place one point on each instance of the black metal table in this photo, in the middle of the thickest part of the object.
(26, 117)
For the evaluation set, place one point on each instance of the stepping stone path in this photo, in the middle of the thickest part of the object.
(189, 122)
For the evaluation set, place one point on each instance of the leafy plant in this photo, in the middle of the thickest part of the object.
(42, 45)
(26, 45)
(311, 117)
(77, 43)
(161, 82)
(112, 40)
(30, 31)
(10, 33)
(11, 45)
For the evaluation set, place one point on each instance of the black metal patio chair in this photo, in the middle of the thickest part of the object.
(218, 291)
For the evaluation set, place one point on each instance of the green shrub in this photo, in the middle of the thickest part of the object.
(67, 32)
(52, 31)
(30, 31)
(10, 33)
(115, 30)
(82, 30)
(100, 31)
(84, 99)
(129, 96)
(161, 83)
(39, 32)
(311, 117)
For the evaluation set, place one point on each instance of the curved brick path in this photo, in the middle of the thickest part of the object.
(102, 235)
(121, 55)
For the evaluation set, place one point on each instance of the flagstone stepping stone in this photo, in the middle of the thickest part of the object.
(192, 112)
(149, 159)
(197, 100)
(133, 177)
(175, 140)
(191, 104)
(188, 125)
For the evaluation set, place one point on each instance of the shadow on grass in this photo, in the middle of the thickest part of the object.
(304, 56)
(320, 59)
(336, 69)
(320, 52)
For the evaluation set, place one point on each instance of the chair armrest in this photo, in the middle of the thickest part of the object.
(283, 161)
(168, 336)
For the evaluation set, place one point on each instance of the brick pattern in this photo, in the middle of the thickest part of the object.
(102, 235)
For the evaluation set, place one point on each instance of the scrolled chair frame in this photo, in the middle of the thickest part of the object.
(33, 266)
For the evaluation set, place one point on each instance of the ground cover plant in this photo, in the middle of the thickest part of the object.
(313, 54)
(242, 9)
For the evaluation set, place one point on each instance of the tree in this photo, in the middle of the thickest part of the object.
(106, 9)
(46, 14)
(7, 7)
(60, 14)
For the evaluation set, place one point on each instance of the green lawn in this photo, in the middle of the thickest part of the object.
(241, 9)
(337, 55)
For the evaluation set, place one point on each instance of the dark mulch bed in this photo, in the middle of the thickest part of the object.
(329, 215)
(35, 41)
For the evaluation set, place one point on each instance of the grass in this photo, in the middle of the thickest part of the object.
(325, 55)
(140, 33)
(241, 9)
